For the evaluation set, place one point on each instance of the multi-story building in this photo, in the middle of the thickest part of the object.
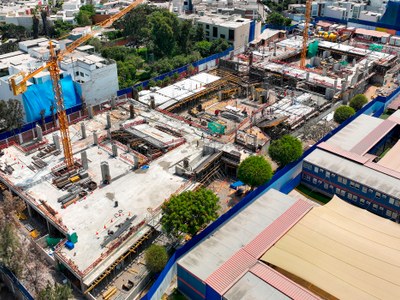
(361, 165)
(236, 30)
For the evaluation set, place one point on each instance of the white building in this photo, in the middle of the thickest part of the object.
(234, 29)
(95, 76)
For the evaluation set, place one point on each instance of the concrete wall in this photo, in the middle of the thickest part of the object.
(102, 85)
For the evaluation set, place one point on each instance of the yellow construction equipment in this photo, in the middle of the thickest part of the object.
(305, 34)
(18, 81)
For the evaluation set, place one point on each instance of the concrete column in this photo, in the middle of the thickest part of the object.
(274, 49)
(220, 96)
(95, 138)
(83, 130)
(108, 121)
(324, 71)
(56, 141)
(131, 111)
(29, 210)
(152, 102)
(114, 150)
(113, 102)
(354, 62)
(307, 76)
(109, 134)
(335, 85)
(105, 172)
(90, 111)
(39, 132)
(21, 140)
(84, 160)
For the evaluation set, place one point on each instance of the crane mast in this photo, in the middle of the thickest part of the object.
(305, 34)
(54, 71)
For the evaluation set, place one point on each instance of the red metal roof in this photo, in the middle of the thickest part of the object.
(277, 229)
(282, 283)
(343, 153)
(237, 265)
(230, 271)
(371, 139)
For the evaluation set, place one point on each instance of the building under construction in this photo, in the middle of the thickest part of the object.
(94, 220)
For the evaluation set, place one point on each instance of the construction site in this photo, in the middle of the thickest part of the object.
(94, 187)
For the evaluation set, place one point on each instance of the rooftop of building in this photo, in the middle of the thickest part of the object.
(228, 21)
(342, 250)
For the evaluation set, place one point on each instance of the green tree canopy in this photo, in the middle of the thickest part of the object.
(62, 28)
(156, 258)
(204, 47)
(277, 19)
(358, 101)
(189, 211)
(85, 14)
(55, 292)
(254, 171)
(285, 150)
(342, 113)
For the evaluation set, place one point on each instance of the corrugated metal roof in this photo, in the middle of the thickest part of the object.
(375, 136)
(343, 153)
(282, 283)
(277, 229)
(235, 267)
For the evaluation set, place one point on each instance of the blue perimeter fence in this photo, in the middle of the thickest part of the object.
(284, 180)
(360, 22)
(17, 284)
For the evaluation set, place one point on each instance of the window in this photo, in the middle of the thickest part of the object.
(231, 35)
(344, 181)
(388, 213)
(77, 73)
(337, 191)
(396, 203)
(384, 196)
(374, 206)
(81, 73)
(364, 189)
(316, 169)
(391, 200)
(350, 196)
(381, 209)
(327, 174)
(207, 26)
(326, 186)
(215, 32)
(342, 193)
(377, 195)
(362, 201)
(307, 166)
(355, 198)
(357, 186)
(351, 183)
(222, 36)
(340, 179)
(370, 191)
(394, 215)
(207, 33)
(314, 180)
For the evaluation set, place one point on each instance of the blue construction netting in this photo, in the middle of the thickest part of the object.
(285, 180)
(41, 96)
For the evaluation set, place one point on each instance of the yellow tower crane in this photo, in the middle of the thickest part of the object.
(305, 34)
(19, 81)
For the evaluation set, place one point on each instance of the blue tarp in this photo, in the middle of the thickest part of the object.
(41, 96)
(236, 184)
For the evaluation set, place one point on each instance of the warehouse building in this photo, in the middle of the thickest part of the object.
(282, 248)
(361, 165)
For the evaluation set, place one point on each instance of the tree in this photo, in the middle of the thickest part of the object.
(254, 171)
(85, 14)
(62, 28)
(184, 36)
(204, 47)
(156, 258)
(189, 211)
(8, 47)
(15, 115)
(342, 113)
(219, 45)
(277, 19)
(35, 27)
(358, 101)
(285, 150)
(164, 29)
(55, 292)
(43, 14)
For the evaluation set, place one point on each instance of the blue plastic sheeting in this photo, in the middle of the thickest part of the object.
(145, 167)
(41, 96)
(236, 184)
(252, 30)
(16, 283)
(69, 245)
(392, 14)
